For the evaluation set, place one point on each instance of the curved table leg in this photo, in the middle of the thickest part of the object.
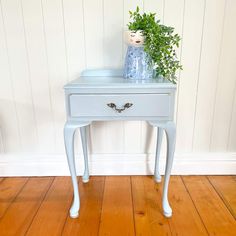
(170, 130)
(83, 133)
(157, 175)
(69, 131)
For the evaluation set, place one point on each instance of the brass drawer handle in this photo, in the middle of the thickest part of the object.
(119, 110)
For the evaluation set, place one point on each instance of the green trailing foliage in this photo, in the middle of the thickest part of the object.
(160, 43)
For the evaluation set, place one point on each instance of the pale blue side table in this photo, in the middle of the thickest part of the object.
(102, 95)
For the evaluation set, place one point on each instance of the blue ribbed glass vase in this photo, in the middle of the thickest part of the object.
(138, 64)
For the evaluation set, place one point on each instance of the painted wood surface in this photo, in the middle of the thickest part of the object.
(9, 189)
(117, 207)
(200, 189)
(208, 74)
(18, 60)
(51, 215)
(45, 44)
(10, 133)
(191, 51)
(225, 187)
(144, 190)
(27, 202)
(57, 63)
(38, 69)
(120, 206)
(91, 195)
(223, 136)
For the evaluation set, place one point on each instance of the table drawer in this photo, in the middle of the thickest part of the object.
(123, 105)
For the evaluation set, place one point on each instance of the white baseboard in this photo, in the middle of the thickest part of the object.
(117, 164)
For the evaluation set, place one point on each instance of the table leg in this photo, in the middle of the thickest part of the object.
(170, 130)
(157, 175)
(83, 133)
(69, 131)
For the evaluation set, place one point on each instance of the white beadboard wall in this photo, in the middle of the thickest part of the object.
(44, 44)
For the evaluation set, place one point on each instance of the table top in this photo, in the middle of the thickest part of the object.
(112, 78)
(117, 81)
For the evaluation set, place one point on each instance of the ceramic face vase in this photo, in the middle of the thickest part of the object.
(138, 64)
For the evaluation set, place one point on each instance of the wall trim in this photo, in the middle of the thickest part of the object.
(117, 164)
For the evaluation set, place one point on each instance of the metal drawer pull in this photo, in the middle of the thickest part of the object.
(119, 110)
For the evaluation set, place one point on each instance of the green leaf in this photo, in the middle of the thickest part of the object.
(160, 43)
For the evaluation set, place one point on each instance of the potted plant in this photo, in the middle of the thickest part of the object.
(138, 64)
(158, 41)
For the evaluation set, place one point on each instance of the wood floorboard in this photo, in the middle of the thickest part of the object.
(185, 220)
(215, 215)
(148, 216)
(226, 188)
(117, 207)
(9, 188)
(52, 214)
(20, 213)
(91, 196)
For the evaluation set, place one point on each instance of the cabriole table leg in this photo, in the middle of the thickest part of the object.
(170, 130)
(157, 175)
(69, 132)
(83, 133)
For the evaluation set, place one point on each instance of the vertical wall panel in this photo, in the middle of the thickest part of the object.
(232, 128)
(12, 15)
(10, 139)
(93, 21)
(45, 44)
(132, 137)
(74, 36)
(98, 137)
(149, 138)
(156, 6)
(226, 83)
(107, 137)
(38, 67)
(57, 64)
(191, 49)
(2, 148)
(113, 33)
(173, 14)
(208, 74)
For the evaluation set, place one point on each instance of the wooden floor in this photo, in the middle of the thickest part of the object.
(202, 205)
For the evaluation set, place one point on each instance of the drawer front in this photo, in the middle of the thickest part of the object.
(123, 105)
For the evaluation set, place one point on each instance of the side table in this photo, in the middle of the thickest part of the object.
(102, 95)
